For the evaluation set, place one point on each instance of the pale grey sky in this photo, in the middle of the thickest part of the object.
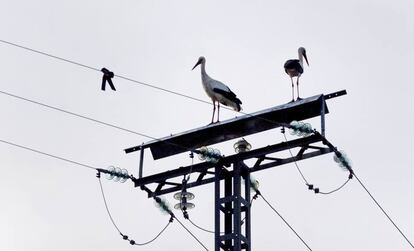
(362, 46)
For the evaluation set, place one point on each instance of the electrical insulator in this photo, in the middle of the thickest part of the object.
(342, 159)
(254, 183)
(117, 174)
(209, 154)
(300, 129)
(163, 205)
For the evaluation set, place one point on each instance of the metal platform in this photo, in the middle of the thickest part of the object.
(240, 126)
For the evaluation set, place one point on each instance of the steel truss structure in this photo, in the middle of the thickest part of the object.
(232, 200)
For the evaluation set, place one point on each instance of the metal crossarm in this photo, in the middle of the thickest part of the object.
(232, 200)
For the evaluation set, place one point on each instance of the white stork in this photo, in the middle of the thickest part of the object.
(217, 91)
(294, 68)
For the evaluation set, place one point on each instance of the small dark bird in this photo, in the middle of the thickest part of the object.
(217, 91)
(107, 77)
(294, 68)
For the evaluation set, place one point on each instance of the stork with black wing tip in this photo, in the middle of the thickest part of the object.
(217, 91)
(294, 68)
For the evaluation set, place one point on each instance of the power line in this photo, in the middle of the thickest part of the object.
(144, 135)
(125, 237)
(201, 228)
(49, 55)
(310, 186)
(166, 90)
(90, 119)
(103, 195)
(285, 222)
(73, 114)
(106, 206)
(47, 154)
(382, 209)
(130, 79)
(191, 233)
(294, 158)
(156, 237)
(96, 69)
(351, 174)
(336, 189)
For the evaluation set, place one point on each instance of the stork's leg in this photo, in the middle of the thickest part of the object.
(218, 112)
(214, 111)
(293, 92)
(297, 86)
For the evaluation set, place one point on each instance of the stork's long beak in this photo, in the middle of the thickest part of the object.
(306, 58)
(198, 62)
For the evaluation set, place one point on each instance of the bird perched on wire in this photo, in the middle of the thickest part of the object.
(107, 77)
(294, 68)
(217, 91)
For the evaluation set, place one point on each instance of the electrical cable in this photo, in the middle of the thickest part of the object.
(336, 189)
(100, 184)
(191, 233)
(125, 237)
(127, 130)
(74, 114)
(156, 237)
(285, 221)
(382, 209)
(294, 158)
(92, 119)
(49, 55)
(133, 80)
(310, 186)
(96, 69)
(106, 206)
(201, 228)
(48, 154)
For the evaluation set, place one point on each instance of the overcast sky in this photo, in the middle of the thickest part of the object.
(364, 47)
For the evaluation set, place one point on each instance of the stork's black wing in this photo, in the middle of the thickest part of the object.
(228, 94)
(293, 64)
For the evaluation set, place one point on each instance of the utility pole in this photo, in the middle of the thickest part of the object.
(232, 200)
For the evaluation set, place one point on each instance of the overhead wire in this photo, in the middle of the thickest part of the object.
(74, 114)
(188, 230)
(287, 223)
(100, 185)
(144, 135)
(310, 186)
(49, 55)
(382, 209)
(48, 154)
(92, 119)
(145, 84)
(129, 79)
(201, 228)
(125, 237)
(106, 206)
(96, 69)
(102, 191)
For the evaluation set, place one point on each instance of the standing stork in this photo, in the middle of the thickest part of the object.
(217, 91)
(294, 68)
